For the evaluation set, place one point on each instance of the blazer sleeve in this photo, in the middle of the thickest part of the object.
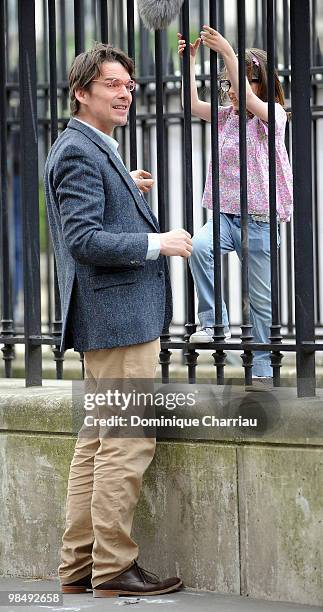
(78, 184)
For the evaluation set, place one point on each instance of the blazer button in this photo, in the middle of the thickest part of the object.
(160, 273)
(134, 262)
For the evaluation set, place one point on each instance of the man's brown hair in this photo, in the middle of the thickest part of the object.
(87, 66)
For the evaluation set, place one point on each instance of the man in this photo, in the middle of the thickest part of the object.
(116, 301)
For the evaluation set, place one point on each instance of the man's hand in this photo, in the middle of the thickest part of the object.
(176, 242)
(143, 180)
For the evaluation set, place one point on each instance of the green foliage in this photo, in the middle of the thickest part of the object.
(172, 43)
(172, 38)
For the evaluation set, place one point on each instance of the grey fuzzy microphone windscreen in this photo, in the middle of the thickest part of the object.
(158, 14)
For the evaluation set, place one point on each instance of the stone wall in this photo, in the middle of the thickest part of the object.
(229, 510)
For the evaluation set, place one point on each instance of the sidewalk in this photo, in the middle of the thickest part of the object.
(184, 601)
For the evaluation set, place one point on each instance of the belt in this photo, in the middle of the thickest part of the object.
(263, 218)
(255, 217)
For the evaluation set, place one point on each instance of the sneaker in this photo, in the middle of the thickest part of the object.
(206, 335)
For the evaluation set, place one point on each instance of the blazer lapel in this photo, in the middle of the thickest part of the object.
(139, 200)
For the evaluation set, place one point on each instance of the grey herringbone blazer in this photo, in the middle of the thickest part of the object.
(110, 295)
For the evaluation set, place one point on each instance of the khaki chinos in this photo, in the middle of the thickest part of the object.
(105, 480)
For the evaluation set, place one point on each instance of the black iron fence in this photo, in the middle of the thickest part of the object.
(38, 40)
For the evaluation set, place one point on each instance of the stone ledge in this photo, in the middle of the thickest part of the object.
(282, 417)
(232, 511)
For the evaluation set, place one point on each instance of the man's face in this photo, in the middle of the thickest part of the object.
(106, 107)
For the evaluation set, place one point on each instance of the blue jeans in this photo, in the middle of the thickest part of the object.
(202, 265)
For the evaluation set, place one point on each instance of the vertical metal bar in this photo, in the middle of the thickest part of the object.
(221, 16)
(132, 114)
(94, 18)
(315, 169)
(165, 50)
(104, 21)
(286, 46)
(169, 71)
(79, 26)
(256, 40)
(29, 176)
(145, 142)
(279, 272)
(286, 53)
(263, 24)
(118, 16)
(57, 324)
(185, 276)
(203, 97)
(225, 282)
(45, 40)
(316, 214)
(275, 336)
(313, 31)
(161, 170)
(275, 32)
(191, 355)
(52, 70)
(144, 97)
(121, 24)
(148, 137)
(112, 22)
(246, 328)
(289, 265)
(7, 328)
(183, 199)
(44, 140)
(63, 50)
(6, 32)
(160, 130)
(302, 169)
(144, 50)
(219, 357)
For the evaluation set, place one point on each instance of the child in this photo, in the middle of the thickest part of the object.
(201, 261)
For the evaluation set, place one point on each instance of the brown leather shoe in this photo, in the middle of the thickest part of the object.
(79, 586)
(136, 581)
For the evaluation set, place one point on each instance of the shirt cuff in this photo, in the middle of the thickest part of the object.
(153, 250)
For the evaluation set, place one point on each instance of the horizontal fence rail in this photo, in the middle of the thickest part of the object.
(38, 41)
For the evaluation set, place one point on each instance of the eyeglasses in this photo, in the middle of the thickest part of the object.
(116, 84)
(225, 84)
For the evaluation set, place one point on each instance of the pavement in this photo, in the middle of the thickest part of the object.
(187, 600)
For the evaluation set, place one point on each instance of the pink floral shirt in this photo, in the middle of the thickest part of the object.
(257, 166)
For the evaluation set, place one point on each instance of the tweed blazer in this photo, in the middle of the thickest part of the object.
(110, 294)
